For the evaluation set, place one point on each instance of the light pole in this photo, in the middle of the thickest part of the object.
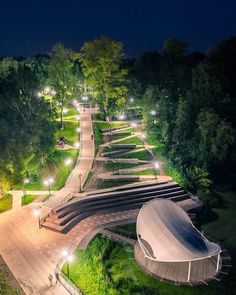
(121, 117)
(48, 182)
(37, 214)
(26, 181)
(143, 138)
(77, 146)
(131, 102)
(80, 182)
(113, 166)
(69, 258)
(68, 162)
(134, 125)
(156, 167)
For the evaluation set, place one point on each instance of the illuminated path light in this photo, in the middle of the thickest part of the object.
(48, 182)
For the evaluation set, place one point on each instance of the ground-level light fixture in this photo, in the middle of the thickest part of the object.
(26, 181)
(143, 136)
(68, 162)
(153, 113)
(48, 182)
(85, 98)
(78, 129)
(68, 258)
(77, 146)
(36, 213)
(131, 100)
(78, 118)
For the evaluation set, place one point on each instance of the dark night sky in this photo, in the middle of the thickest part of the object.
(31, 27)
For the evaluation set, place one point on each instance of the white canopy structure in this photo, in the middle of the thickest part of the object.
(167, 236)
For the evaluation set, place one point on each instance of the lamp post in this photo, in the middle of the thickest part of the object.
(26, 181)
(69, 258)
(143, 138)
(77, 146)
(121, 117)
(153, 113)
(131, 102)
(80, 182)
(36, 213)
(134, 125)
(156, 167)
(113, 166)
(48, 182)
(68, 162)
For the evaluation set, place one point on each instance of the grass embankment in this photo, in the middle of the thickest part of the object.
(89, 177)
(6, 284)
(108, 183)
(97, 127)
(141, 155)
(146, 172)
(133, 139)
(117, 166)
(27, 199)
(5, 203)
(107, 267)
(55, 162)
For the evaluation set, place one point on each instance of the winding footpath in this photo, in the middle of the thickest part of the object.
(31, 253)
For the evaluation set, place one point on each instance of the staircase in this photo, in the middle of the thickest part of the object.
(63, 218)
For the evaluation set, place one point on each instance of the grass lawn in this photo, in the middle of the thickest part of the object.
(5, 204)
(69, 132)
(27, 199)
(6, 287)
(142, 155)
(89, 177)
(145, 172)
(108, 184)
(56, 168)
(117, 166)
(107, 267)
(134, 140)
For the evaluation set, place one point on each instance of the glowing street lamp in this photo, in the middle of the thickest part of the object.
(48, 182)
(26, 181)
(69, 258)
(131, 100)
(153, 113)
(85, 97)
(143, 136)
(78, 129)
(134, 125)
(122, 117)
(68, 162)
(77, 146)
(65, 111)
(36, 213)
(156, 167)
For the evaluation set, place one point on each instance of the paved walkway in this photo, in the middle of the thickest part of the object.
(32, 254)
(84, 164)
(18, 194)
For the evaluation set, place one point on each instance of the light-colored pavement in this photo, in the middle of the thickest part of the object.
(84, 163)
(32, 254)
(18, 194)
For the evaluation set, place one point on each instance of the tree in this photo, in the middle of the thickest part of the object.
(101, 65)
(26, 121)
(214, 137)
(60, 72)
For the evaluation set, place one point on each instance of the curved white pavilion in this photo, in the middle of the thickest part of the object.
(170, 247)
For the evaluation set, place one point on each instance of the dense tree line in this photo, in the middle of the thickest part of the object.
(191, 96)
(194, 98)
(26, 120)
